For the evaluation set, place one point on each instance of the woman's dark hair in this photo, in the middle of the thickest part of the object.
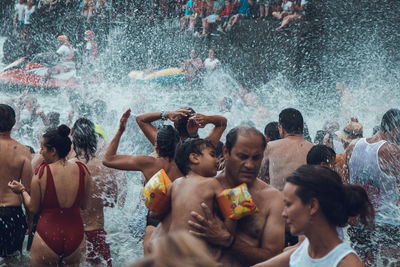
(187, 147)
(58, 138)
(337, 201)
(181, 124)
(84, 138)
(7, 118)
(390, 120)
(167, 139)
(320, 154)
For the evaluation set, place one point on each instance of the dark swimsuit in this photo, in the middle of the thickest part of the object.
(61, 228)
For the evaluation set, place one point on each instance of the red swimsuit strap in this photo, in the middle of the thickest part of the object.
(50, 199)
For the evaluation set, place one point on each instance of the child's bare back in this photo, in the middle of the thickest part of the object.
(187, 193)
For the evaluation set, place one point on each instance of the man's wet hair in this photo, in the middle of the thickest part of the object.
(292, 121)
(167, 140)
(84, 138)
(233, 134)
(181, 124)
(320, 154)
(7, 118)
(58, 138)
(272, 131)
(187, 147)
(390, 120)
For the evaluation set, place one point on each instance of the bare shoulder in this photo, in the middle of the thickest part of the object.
(266, 191)
(350, 260)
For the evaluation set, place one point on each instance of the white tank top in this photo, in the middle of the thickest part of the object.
(381, 188)
(300, 257)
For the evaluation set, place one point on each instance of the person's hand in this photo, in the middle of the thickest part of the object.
(201, 120)
(124, 120)
(209, 227)
(16, 187)
(178, 114)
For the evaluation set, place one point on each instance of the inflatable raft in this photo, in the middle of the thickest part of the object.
(170, 75)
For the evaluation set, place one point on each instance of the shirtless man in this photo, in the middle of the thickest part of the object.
(15, 164)
(192, 66)
(259, 236)
(103, 192)
(374, 164)
(284, 156)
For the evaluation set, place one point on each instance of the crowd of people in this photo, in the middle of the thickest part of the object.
(199, 14)
(307, 194)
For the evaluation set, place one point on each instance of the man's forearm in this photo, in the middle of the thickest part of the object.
(249, 255)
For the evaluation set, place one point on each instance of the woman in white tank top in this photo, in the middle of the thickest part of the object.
(316, 202)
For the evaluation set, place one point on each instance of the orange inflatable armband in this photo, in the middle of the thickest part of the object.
(155, 192)
(235, 203)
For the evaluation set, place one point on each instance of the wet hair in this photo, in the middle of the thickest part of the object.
(337, 201)
(84, 138)
(54, 118)
(272, 131)
(181, 125)
(233, 134)
(292, 121)
(7, 118)
(167, 140)
(390, 120)
(320, 154)
(187, 147)
(58, 138)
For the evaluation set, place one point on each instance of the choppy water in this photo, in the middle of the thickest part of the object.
(373, 93)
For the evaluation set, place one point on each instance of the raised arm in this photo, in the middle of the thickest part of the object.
(144, 121)
(219, 126)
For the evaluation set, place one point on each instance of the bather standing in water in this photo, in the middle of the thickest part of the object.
(192, 66)
(15, 161)
(103, 192)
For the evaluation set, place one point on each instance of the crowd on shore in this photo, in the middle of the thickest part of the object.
(200, 15)
(290, 199)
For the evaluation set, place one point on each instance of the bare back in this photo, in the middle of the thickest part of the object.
(187, 194)
(103, 192)
(284, 156)
(15, 165)
(66, 183)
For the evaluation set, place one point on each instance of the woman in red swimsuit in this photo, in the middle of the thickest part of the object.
(59, 189)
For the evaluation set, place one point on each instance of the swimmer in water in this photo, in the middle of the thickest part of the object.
(165, 142)
(103, 192)
(15, 162)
